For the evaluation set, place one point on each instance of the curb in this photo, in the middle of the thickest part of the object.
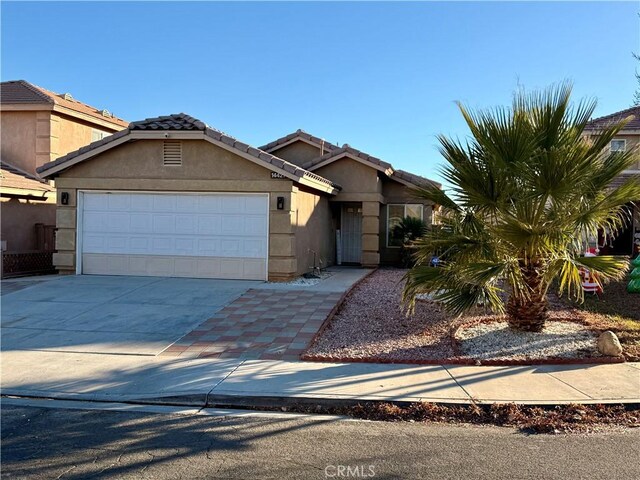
(467, 361)
(276, 401)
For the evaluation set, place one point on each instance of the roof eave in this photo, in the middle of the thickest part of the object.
(51, 169)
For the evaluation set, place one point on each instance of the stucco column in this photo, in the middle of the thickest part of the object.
(66, 222)
(370, 232)
(282, 241)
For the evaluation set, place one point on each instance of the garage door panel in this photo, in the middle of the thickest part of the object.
(186, 224)
(164, 223)
(213, 236)
(187, 203)
(174, 266)
(117, 244)
(93, 243)
(119, 202)
(164, 203)
(142, 203)
(139, 244)
(140, 222)
(254, 205)
(95, 201)
(254, 248)
(231, 204)
(209, 224)
(209, 204)
(117, 222)
(255, 225)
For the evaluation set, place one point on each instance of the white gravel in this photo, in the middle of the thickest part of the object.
(495, 340)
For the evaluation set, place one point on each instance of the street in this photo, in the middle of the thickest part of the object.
(44, 443)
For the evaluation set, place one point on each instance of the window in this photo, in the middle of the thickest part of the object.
(618, 145)
(98, 135)
(395, 213)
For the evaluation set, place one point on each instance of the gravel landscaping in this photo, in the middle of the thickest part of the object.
(371, 326)
(495, 340)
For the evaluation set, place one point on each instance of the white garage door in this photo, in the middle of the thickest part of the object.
(177, 235)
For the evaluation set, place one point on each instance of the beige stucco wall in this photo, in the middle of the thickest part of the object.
(315, 231)
(354, 177)
(18, 219)
(30, 139)
(69, 134)
(633, 142)
(206, 167)
(297, 153)
(18, 133)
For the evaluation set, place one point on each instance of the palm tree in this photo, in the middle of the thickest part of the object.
(407, 231)
(527, 189)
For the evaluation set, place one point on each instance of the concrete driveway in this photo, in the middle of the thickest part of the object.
(110, 314)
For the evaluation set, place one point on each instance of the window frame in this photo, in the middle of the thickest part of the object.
(624, 145)
(404, 215)
(98, 133)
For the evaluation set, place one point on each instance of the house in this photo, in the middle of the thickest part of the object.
(626, 242)
(36, 127)
(172, 196)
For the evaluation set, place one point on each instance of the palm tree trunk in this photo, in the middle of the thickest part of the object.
(529, 314)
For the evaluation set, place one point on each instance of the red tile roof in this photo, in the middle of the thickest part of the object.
(21, 92)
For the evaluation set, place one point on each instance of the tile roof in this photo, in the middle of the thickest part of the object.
(299, 134)
(602, 122)
(179, 121)
(377, 163)
(413, 178)
(184, 122)
(13, 177)
(22, 92)
(624, 177)
(347, 149)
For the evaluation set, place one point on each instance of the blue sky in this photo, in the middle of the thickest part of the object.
(382, 77)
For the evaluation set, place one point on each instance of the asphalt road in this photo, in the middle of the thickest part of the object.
(61, 443)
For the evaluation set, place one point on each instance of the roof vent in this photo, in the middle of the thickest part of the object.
(172, 153)
(105, 113)
(67, 96)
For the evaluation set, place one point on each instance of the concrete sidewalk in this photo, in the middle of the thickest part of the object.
(203, 382)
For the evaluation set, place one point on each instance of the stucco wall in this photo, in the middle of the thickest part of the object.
(18, 139)
(315, 231)
(18, 221)
(206, 167)
(353, 177)
(68, 135)
(298, 152)
(632, 142)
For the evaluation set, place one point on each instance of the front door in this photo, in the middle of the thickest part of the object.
(351, 233)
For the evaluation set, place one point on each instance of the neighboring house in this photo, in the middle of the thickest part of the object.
(36, 127)
(626, 242)
(172, 196)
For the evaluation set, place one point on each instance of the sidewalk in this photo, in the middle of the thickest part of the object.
(201, 382)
